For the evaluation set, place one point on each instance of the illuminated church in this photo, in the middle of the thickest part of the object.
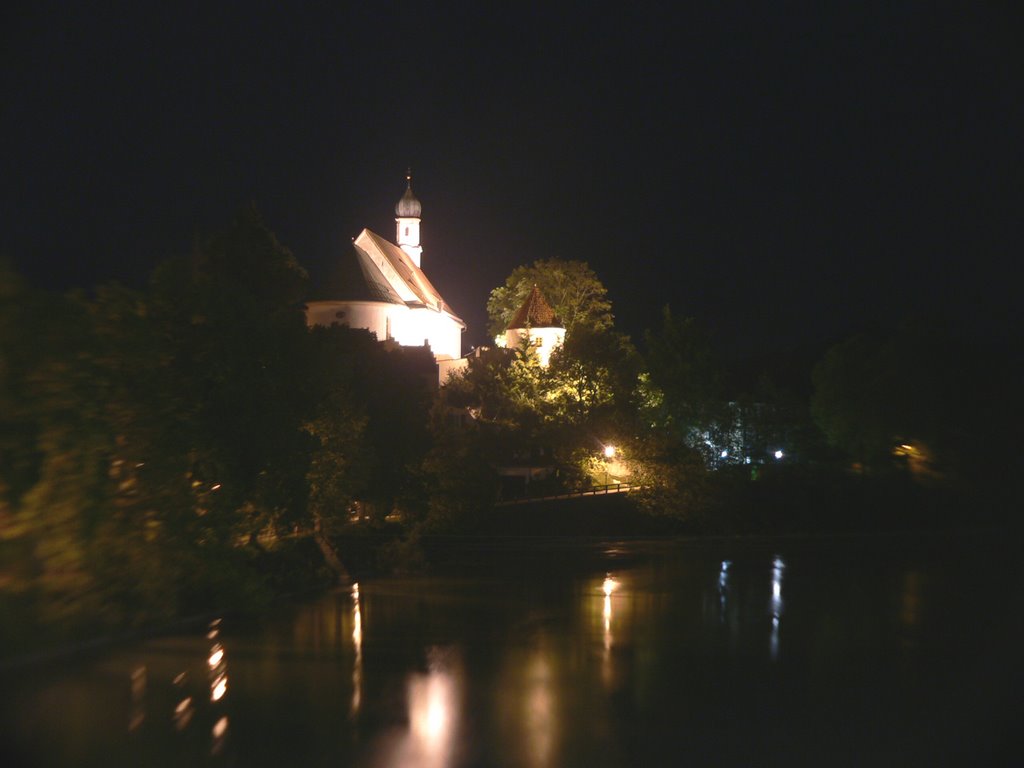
(380, 286)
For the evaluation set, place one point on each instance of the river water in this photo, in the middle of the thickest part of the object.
(892, 651)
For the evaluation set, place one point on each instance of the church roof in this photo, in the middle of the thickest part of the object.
(378, 270)
(354, 277)
(411, 284)
(535, 313)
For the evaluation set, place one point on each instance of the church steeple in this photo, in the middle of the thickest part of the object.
(407, 219)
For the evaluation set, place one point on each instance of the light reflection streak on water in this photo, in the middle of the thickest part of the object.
(183, 714)
(540, 716)
(217, 661)
(778, 567)
(138, 709)
(218, 688)
(433, 709)
(357, 644)
(607, 623)
(219, 734)
(608, 587)
(723, 588)
(216, 654)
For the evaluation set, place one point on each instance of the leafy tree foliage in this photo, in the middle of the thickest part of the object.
(153, 441)
(849, 404)
(924, 385)
(592, 380)
(232, 319)
(683, 390)
(575, 293)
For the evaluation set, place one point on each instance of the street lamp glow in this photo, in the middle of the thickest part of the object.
(609, 451)
(778, 454)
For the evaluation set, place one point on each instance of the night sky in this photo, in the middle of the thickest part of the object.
(785, 173)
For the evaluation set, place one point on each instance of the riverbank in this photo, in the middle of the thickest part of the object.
(793, 502)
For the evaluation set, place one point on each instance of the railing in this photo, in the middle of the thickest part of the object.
(597, 490)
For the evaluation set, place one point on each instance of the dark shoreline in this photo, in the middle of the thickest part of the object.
(499, 538)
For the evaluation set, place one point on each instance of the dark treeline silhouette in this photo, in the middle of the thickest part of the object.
(193, 445)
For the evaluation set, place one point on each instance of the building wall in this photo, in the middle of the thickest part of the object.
(375, 316)
(544, 340)
(410, 327)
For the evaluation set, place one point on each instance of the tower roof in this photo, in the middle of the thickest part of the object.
(408, 207)
(535, 313)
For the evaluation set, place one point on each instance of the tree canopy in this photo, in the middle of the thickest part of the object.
(575, 293)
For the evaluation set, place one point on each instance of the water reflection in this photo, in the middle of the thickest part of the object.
(723, 588)
(560, 667)
(183, 714)
(138, 708)
(357, 644)
(433, 703)
(217, 653)
(219, 735)
(183, 711)
(778, 567)
(540, 717)
(217, 662)
(608, 587)
(911, 599)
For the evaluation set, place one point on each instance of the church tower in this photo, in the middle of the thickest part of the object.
(407, 218)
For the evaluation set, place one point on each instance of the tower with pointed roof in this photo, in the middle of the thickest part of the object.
(407, 222)
(535, 325)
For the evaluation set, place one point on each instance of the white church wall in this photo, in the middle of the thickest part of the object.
(323, 312)
(374, 316)
(442, 333)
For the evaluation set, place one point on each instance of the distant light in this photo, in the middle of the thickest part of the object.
(725, 453)
(221, 727)
(778, 454)
(609, 451)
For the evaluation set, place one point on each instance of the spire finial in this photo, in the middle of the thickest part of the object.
(408, 175)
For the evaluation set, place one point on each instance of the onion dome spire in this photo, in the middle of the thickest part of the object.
(408, 207)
